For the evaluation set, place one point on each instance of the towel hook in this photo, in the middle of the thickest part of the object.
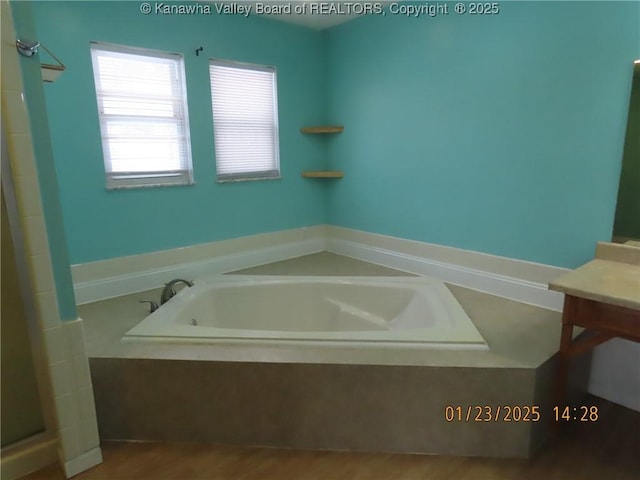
(27, 48)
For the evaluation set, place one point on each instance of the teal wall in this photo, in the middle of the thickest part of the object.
(53, 213)
(500, 134)
(103, 224)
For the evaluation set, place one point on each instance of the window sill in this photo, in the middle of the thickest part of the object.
(246, 179)
(149, 185)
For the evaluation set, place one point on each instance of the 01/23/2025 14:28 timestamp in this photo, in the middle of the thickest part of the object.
(518, 413)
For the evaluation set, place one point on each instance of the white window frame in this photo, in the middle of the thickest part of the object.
(117, 179)
(273, 172)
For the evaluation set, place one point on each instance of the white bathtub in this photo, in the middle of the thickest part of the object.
(412, 311)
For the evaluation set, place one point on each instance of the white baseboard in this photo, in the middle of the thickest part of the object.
(509, 278)
(32, 455)
(115, 286)
(513, 288)
(83, 462)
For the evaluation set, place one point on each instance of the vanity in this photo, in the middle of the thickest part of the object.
(603, 297)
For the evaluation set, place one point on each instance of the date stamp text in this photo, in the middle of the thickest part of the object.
(518, 413)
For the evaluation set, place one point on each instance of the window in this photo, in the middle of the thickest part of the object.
(245, 121)
(142, 104)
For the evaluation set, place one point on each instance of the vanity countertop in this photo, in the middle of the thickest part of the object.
(613, 277)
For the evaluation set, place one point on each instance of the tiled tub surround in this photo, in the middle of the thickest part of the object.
(328, 397)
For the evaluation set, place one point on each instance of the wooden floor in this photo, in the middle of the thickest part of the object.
(607, 449)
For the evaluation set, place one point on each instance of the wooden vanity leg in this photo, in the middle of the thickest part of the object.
(562, 368)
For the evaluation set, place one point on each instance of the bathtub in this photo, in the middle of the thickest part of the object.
(382, 311)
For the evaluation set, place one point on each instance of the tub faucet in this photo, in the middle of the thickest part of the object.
(168, 291)
(153, 306)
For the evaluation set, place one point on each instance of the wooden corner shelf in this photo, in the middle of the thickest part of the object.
(323, 129)
(323, 174)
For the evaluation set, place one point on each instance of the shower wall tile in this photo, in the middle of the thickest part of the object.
(11, 79)
(21, 155)
(65, 411)
(28, 196)
(60, 378)
(42, 276)
(66, 396)
(89, 437)
(76, 337)
(72, 389)
(55, 345)
(35, 236)
(84, 422)
(70, 442)
(16, 119)
(80, 367)
(7, 32)
(47, 309)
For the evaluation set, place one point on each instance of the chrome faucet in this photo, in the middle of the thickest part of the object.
(153, 306)
(168, 291)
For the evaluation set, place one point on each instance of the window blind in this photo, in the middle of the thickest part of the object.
(245, 120)
(142, 106)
